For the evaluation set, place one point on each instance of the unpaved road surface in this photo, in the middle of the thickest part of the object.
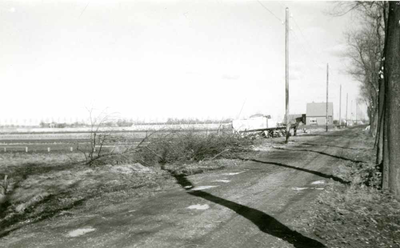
(253, 203)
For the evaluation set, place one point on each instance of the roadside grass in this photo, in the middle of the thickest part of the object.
(43, 186)
(358, 215)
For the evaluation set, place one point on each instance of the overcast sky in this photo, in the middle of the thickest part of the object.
(159, 59)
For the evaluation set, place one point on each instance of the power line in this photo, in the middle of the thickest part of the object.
(84, 9)
(304, 38)
(297, 25)
(272, 13)
(297, 38)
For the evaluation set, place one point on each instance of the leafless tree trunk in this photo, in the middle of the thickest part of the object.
(382, 122)
(388, 134)
(392, 108)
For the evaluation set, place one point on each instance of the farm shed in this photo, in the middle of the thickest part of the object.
(316, 113)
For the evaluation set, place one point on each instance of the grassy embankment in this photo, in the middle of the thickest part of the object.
(359, 214)
(42, 186)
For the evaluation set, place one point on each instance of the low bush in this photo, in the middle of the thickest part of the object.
(190, 146)
(360, 174)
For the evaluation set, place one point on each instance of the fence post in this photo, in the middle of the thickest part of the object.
(71, 149)
(5, 149)
(26, 149)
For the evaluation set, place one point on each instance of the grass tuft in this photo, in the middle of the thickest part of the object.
(4, 185)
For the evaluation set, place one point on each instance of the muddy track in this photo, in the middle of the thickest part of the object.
(252, 204)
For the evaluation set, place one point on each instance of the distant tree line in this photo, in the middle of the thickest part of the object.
(128, 123)
(195, 121)
(117, 123)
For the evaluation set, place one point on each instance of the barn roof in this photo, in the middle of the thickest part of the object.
(319, 109)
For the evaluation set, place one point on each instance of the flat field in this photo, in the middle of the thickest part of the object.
(39, 142)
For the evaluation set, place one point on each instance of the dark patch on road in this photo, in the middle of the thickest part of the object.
(341, 147)
(322, 153)
(183, 181)
(338, 179)
(263, 221)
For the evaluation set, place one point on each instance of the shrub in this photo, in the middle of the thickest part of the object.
(4, 185)
(190, 146)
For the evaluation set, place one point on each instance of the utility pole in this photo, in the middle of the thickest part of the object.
(347, 103)
(340, 106)
(356, 112)
(327, 86)
(287, 72)
(351, 111)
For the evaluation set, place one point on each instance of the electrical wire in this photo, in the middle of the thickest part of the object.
(309, 48)
(272, 13)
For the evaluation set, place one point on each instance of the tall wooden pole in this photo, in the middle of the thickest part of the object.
(356, 111)
(340, 106)
(347, 107)
(327, 86)
(351, 111)
(287, 73)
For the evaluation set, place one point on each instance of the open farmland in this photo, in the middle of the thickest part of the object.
(61, 140)
(54, 142)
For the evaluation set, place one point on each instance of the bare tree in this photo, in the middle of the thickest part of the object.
(391, 119)
(103, 141)
(387, 156)
(365, 48)
(94, 148)
(388, 131)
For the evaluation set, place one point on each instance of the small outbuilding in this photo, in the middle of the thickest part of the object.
(316, 113)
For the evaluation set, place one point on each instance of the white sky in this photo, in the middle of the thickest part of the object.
(159, 59)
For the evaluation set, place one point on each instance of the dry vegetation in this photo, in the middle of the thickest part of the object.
(358, 215)
(190, 147)
(42, 186)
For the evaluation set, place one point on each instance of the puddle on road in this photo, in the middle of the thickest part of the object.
(203, 187)
(318, 182)
(199, 207)
(222, 181)
(233, 173)
(303, 188)
(80, 232)
(298, 188)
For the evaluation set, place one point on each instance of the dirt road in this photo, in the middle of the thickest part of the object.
(255, 202)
